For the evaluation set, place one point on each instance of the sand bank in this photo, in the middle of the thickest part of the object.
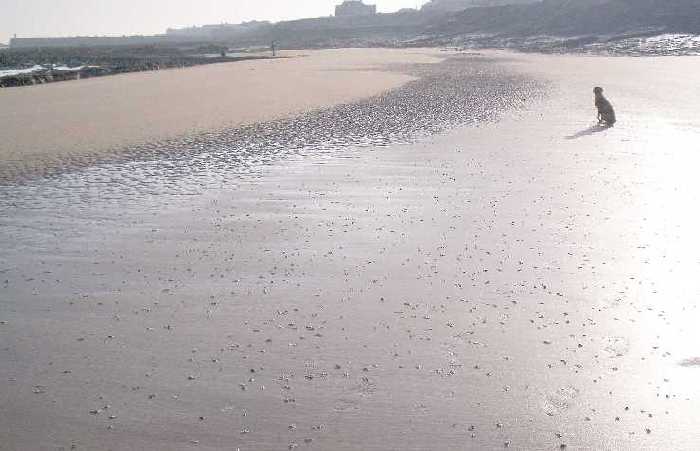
(529, 283)
(40, 124)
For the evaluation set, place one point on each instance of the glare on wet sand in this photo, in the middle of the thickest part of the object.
(499, 280)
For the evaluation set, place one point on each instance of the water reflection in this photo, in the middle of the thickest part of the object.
(459, 91)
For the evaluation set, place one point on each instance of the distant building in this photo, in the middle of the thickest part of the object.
(354, 8)
(87, 41)
(205, 33)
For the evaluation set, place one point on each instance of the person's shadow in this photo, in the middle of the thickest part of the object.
(592, 130)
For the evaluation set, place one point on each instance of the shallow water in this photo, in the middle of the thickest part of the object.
(462, 90)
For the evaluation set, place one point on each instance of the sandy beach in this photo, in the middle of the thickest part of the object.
(523, 279)
(48, 125)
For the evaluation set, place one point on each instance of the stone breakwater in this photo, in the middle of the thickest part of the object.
(117, 66)
(464, 89)
(43, 75)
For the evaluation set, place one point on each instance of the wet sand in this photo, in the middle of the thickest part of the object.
(528, 282)
(46, 125)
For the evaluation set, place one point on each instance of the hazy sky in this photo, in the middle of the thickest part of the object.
(115, 17)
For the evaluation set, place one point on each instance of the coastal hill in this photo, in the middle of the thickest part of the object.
(525, 24)
(443, 22)
(461, 5)
(576, 17)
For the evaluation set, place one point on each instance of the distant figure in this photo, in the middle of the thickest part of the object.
(606, 114)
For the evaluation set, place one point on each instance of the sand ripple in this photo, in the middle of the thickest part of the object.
(464, 89)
